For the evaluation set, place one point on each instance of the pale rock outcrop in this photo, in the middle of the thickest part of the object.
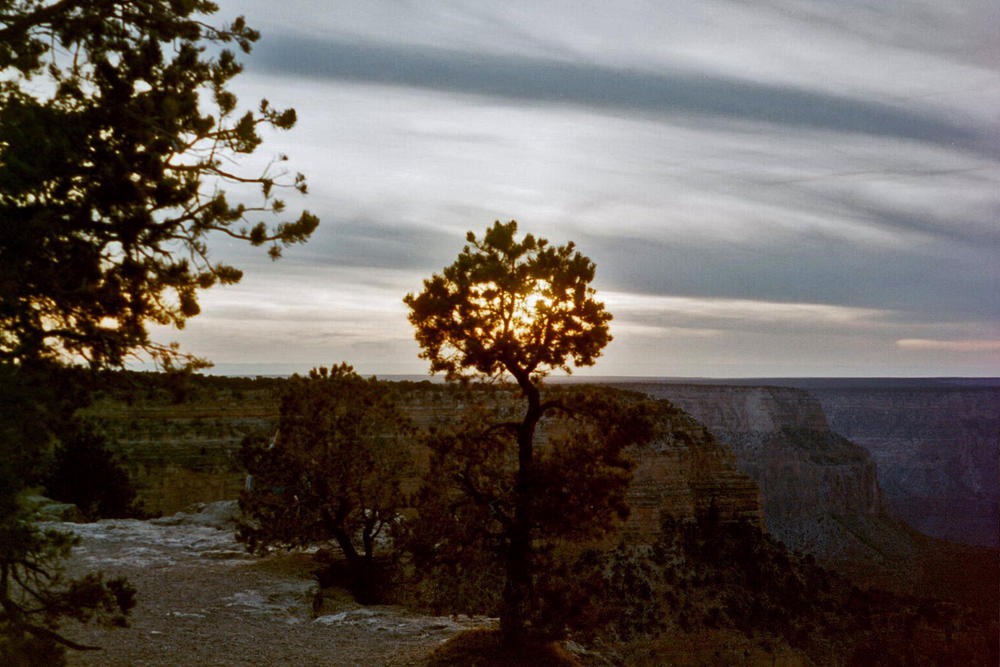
(684, 472)
(781, 439)
(46, 509)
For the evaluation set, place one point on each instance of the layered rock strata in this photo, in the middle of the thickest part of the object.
(936, 449)
(820, 492)
(781, 439)
(178, 455)
(684, 472)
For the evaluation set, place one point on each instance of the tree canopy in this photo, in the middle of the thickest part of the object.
(118, 137)
(521, 308)
(467, 507)
(333, 471)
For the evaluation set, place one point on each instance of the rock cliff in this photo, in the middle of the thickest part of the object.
(821, 495)
(781, 439)
(687, 471)
(814, 489)
(936, 450)
(182, 454)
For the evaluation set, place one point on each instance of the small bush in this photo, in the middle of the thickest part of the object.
(86, 473)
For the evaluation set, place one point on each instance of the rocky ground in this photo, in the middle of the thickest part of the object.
(202, 600)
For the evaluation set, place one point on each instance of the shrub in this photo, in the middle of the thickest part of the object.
(86, 473)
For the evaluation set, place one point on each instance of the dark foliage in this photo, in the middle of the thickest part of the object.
(117, 136)
(180, 387)
(37, 401)
(333, 471)
(36, 597)
(508, 306)
(483, 648)
(514, 308)
(707, 575)
(460, 536)
(37, 405)
(89, 475)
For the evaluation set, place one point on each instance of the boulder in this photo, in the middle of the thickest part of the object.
(221, 514)
(46, 509)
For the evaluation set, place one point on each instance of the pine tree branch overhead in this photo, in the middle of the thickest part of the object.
(118, 138)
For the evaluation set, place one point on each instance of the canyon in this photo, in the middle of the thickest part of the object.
(179, 454)
(185, 453)
(816, 466)
(685, 472)
(821, 492)
(936, 447)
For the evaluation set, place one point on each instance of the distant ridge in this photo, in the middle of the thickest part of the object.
(227, 370)
(821, 382)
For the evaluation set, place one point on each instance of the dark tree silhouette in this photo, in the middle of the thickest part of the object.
(465, 511)
(87, 473)
(118, 137)
(333, 472)
(523, 308)
(517, 308)
(36, 405)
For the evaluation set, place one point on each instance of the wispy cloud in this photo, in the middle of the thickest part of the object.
(531, 80)
(702, 315)
(790, 184)
(949, 345)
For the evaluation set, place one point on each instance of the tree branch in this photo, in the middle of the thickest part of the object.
(41, 16)
(483, 500)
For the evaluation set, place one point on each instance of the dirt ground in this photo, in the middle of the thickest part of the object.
(202, 601)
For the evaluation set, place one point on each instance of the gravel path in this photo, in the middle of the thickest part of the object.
(203, 601)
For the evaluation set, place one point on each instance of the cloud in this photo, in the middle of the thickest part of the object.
(949, 345)
(379, 244)
(807, 269)
(531, 80)
(767, 187)
(696, 210)
(708, 316)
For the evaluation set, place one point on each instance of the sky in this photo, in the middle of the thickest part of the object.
(777, 188)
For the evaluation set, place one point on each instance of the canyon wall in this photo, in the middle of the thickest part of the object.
(819, 491)
(177, 455)
(936, 450)
(821, 494)
(781, 439)
(684, 472)
(181, 454)
(765, 454)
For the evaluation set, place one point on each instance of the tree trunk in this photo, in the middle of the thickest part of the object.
(518, 596)
(359, 566)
